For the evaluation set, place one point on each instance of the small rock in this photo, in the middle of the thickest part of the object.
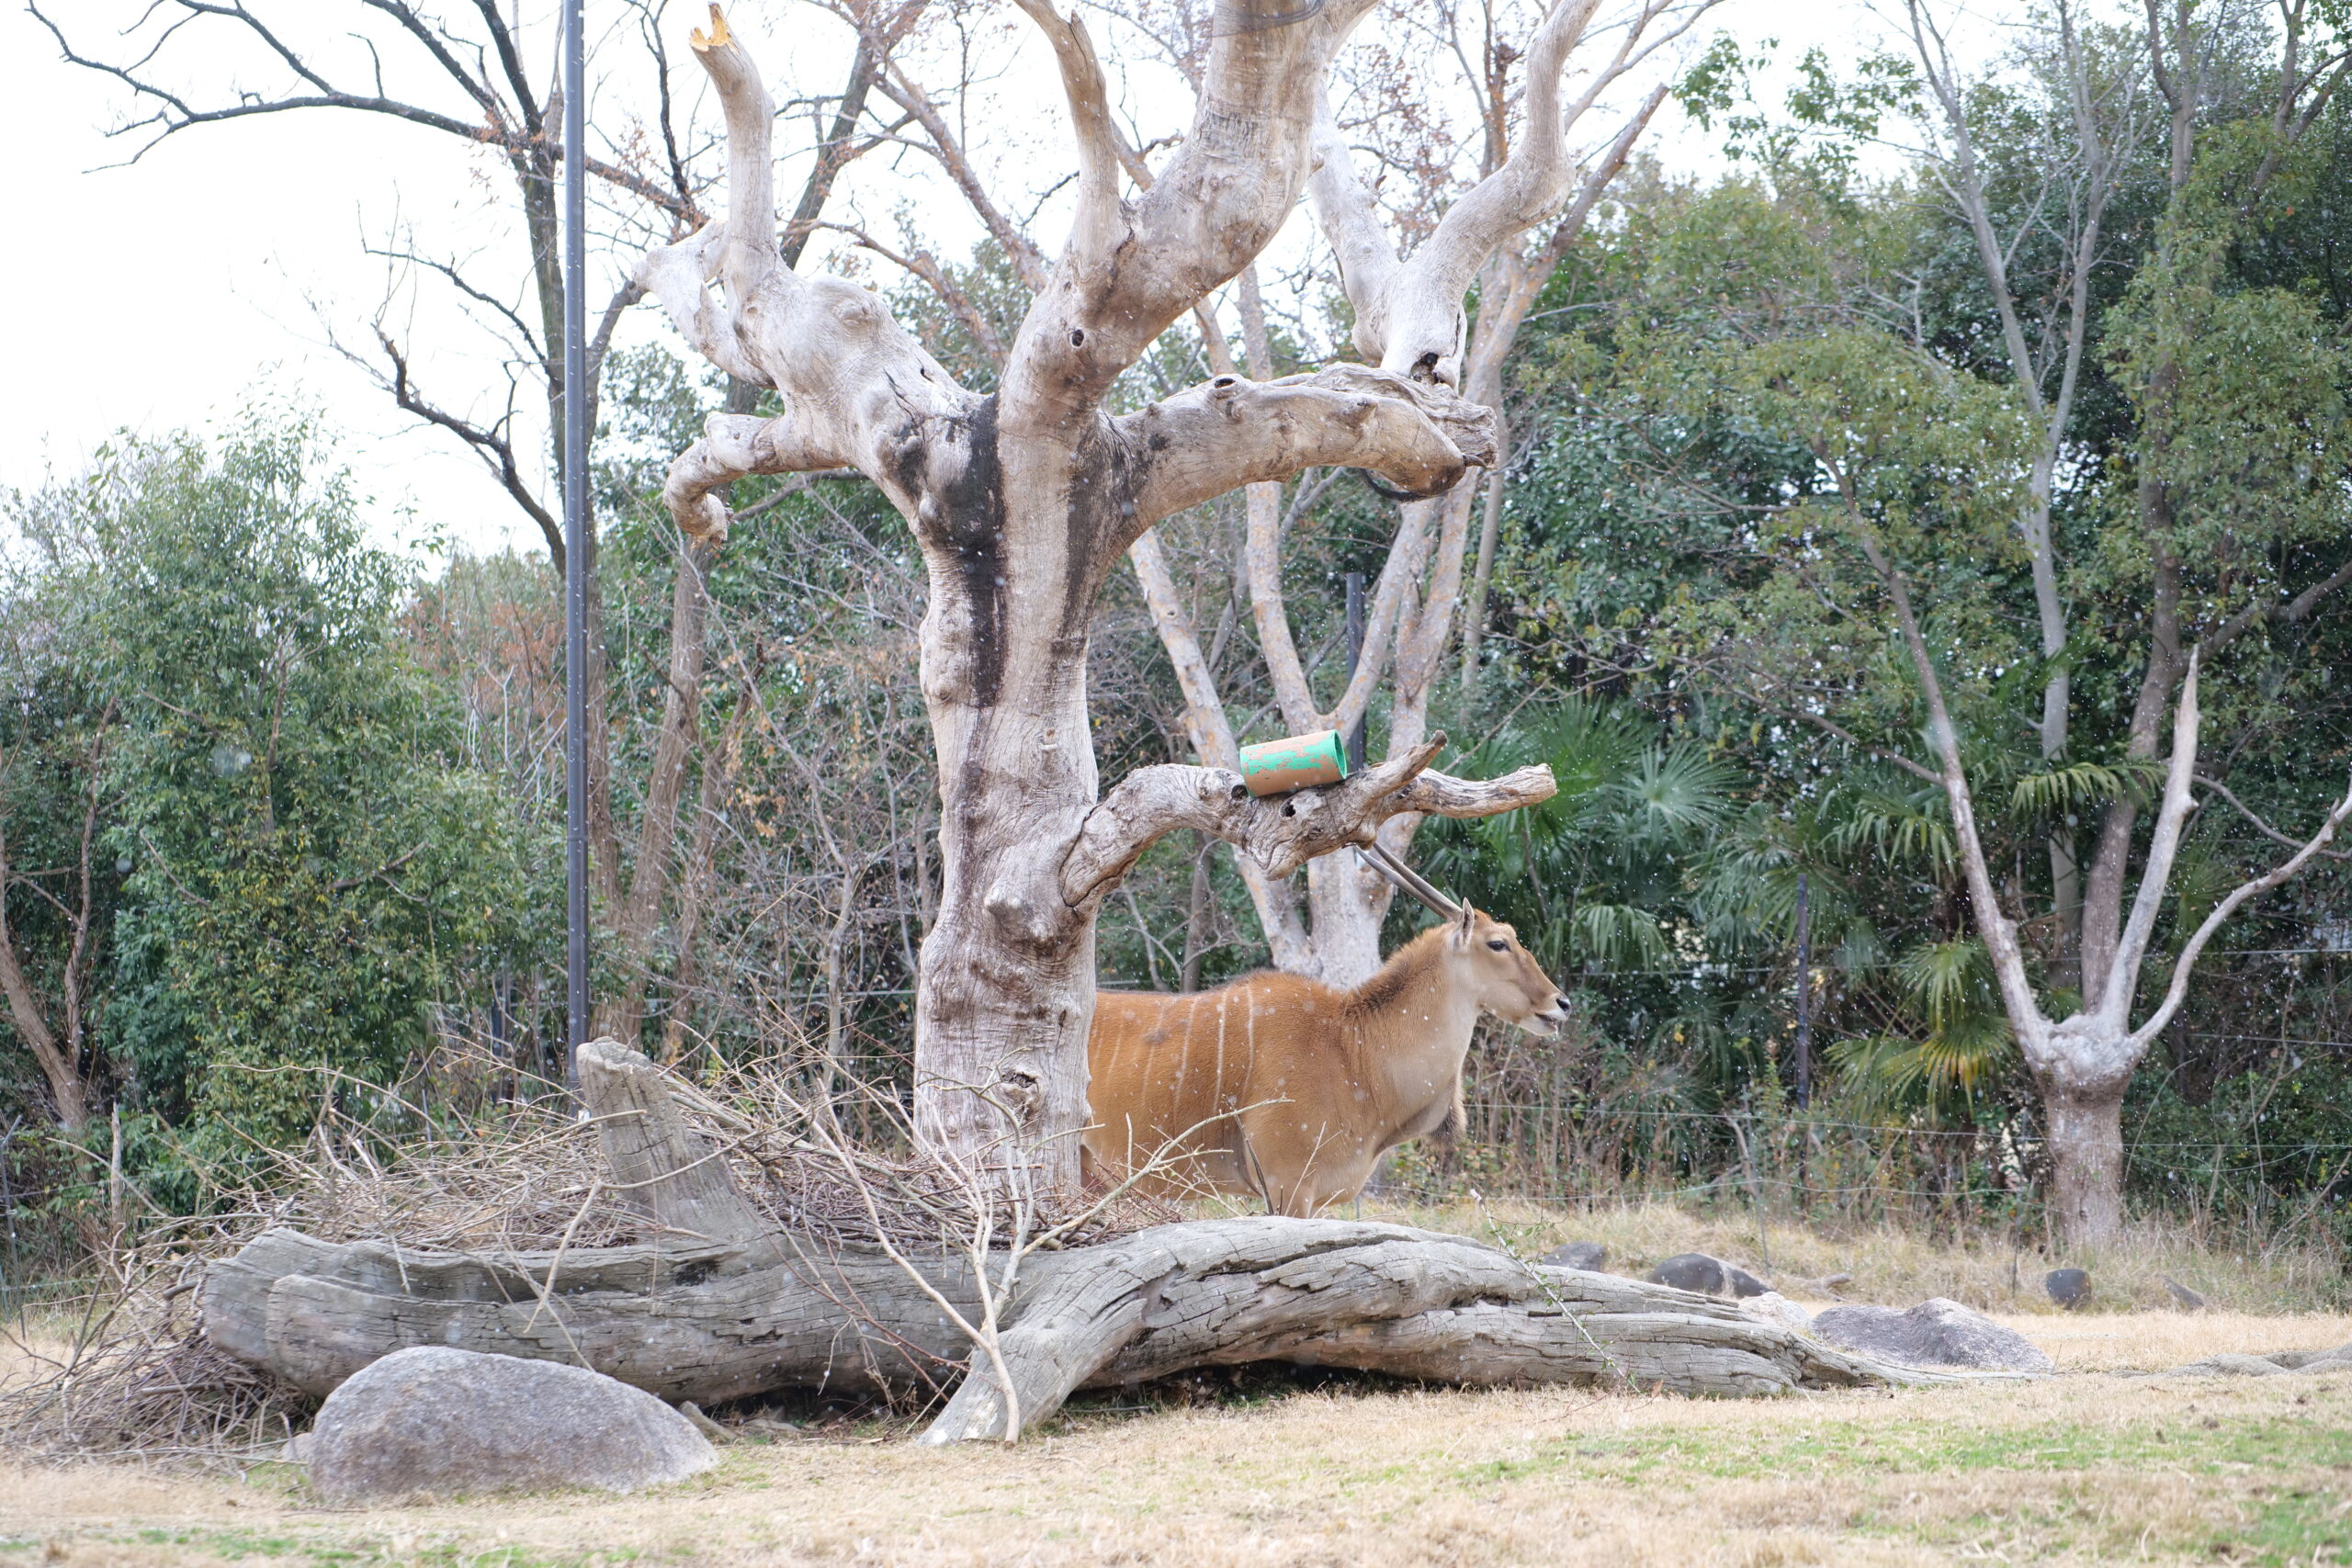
(1936, 1332)
(1693, 1271)
(1707, 1276)
(1586, 1255)
(2070, 1288)
(431, 1421)
(2190, 1301)
(297, 1449)
(1773, 1307)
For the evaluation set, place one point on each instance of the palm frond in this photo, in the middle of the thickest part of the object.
(2054, 792)
(1618, 935)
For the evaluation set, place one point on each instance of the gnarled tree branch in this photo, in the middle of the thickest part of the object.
(1231, 432)
(1280, 832)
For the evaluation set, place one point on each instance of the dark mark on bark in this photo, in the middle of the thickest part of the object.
(1107, 474)
(966, 510)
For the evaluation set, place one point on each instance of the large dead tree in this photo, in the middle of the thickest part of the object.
(1023, 500)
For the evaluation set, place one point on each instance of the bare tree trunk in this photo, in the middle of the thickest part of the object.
(2084, 1129)
(1490, 527)
(56, 1050)
(1196, 920)
(621, 1015)
(61, 1072)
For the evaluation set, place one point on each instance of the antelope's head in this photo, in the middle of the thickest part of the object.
(1504, 979)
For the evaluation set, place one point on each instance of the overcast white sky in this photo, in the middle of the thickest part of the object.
(211, 275)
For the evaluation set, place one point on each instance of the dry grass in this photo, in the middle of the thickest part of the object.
(2077, 1470)
(2148, 1342)
(2090, 1467)
(1901, 1266)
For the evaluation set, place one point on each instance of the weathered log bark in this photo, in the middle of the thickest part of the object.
(721, 1306)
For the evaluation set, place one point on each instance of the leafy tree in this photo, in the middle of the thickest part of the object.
(306, 867)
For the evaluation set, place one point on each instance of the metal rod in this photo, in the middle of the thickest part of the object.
(1804, 993)
(1354, 580)
(576, 562)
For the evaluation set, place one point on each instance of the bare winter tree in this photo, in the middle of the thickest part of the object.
(1410, 622)
(475, 78)
(1023, 500)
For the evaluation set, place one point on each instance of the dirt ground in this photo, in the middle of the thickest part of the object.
(2092, 1466)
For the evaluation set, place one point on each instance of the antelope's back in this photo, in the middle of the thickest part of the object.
(1158, 1066)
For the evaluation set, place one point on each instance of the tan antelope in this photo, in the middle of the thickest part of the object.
(1291, 1090)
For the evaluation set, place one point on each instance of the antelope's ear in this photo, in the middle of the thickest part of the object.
(1467, 926)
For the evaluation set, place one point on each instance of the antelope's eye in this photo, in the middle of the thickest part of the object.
(1499, 946)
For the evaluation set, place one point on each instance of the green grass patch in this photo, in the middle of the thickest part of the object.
(2273, 1443)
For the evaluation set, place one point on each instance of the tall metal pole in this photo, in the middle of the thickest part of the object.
(1805, 995)
(576, 564)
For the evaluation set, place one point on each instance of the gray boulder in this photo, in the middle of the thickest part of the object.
(2189, 1300)
(2070, 1288)
(1587, 1254)
(1936, 1332)
(1707, 1276)
(430, 1422)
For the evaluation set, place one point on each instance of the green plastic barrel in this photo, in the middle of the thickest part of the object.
(1297, 762)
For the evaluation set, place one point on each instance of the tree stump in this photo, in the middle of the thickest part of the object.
(722, 1305)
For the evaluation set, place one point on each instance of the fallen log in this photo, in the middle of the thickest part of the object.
(722, 1305)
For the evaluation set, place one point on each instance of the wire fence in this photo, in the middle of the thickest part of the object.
(1563, 1125)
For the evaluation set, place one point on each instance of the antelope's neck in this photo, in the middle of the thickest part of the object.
(1416, 1043)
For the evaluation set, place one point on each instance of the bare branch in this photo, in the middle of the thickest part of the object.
(491, 443)
(1424, 315)
(1126, 276)
(2265, 829)
(2195, 945)
(1280, 832)
(1229, 433)
(1027, 259)
(1211, 734)
(2155, 872)
(733, 447)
